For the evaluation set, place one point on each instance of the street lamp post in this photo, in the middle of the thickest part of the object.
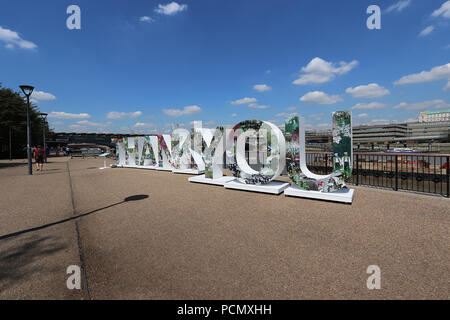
(44, 117)
(10, 144)
(27, 91)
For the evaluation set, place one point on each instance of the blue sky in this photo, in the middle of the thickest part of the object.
(142, 66)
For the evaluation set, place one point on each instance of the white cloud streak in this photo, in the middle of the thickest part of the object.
(319, 97)
(443, 11)
(146, 19)
(13, 40)
(447, 87)
(91, 124)
(435, 104)
(170, 9)
(144, 125)
(435, 74)
(244, 101)
(188, 110)
(119, 115)
(320, 71)
(369, 91)
(41, 95)
(66, 115)
(286, 114)
(257, 106)
(426, 31)
(369, 106)
(399, 6)
(261, 87)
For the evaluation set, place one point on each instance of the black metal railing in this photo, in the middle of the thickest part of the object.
(427, 173)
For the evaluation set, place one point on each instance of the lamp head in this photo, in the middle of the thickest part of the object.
(27, 90)
(43, 115)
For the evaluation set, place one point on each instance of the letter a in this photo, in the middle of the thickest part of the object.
(73, 21)
(74, 281)
(374, 21)
(374, 281)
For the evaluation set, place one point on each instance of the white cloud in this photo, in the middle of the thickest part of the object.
(13, 40)
(447, 87)
(399, 6)
(211, 123)
(291, 108)
(317, 116)
(319, 97)
(262, 87)
(174, 126)
(66, 115)
(170, 9)
(380, 121)
(91, 124)
(436, 73)
(88, 126)
(323, 125)
(286, 115)
(244, 101)
(186, 111)
(41, 95)
(119, 115)
(369, 106)
(144, 125)
(370, 91)
(444, 10)
(435, 104)
(363, 115)
(426, 31)
(257, 106)
(320, 71)
(146, 19)
(234, 115)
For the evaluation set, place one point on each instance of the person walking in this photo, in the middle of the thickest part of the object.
(39, 156)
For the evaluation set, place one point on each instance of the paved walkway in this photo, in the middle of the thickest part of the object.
(193, 241)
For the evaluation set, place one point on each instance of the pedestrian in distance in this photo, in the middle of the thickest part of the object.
(39, 156)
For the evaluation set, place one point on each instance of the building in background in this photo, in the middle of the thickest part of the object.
(380, 133)
(434, 116)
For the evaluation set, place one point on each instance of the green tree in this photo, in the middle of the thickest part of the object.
(13, 114)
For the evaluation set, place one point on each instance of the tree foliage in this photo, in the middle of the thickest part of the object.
(13, 114)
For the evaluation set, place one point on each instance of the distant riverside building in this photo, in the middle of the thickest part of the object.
(434, 116)
(438, 131)
(379, 133)
(411, 132)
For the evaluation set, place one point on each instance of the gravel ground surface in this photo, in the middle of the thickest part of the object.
(194, 241)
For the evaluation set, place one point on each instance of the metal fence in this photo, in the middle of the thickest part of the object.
(427, 173)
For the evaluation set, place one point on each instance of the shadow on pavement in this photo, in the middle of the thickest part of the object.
(127, 199)
(17, 258)
(12, 164)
